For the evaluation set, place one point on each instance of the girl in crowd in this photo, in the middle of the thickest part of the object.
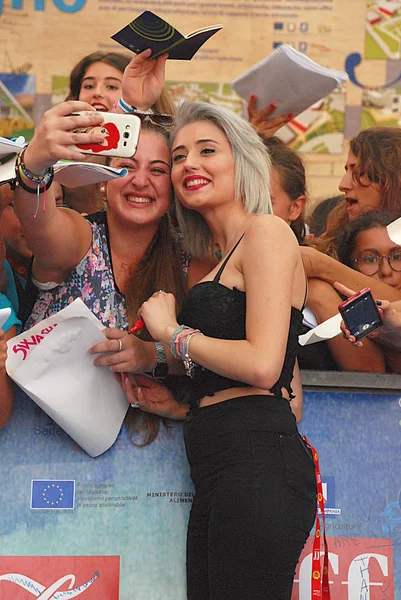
(98, 79)
(113, 260)
(287, 185)
(255, 498)
(366, 246)
(372, 181)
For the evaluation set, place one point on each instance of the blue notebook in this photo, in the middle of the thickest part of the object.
(150, 31)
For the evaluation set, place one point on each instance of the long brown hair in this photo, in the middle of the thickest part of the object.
(292, 177)
(378, 156)
(161, 267)
(119, 61)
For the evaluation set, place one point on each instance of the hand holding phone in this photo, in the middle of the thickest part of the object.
(121, 135)
(360, 314)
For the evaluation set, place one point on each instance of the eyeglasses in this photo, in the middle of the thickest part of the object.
(158, 119)
(369, 263)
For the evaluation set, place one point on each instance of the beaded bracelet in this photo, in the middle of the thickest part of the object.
(173, 347)
(46, 179)
(189, 364)
(43, 182)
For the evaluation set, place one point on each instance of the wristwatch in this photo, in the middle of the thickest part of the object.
(160, 369)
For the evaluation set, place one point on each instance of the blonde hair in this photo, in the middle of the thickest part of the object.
(252, 170)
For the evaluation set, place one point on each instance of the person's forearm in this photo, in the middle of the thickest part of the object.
(234, 359)
(332, 270)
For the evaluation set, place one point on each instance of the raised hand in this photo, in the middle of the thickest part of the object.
(159, 314)
(265, 126)
(55, 134)
(143, 80)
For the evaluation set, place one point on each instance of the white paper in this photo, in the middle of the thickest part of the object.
(56, 371)
(325, 331)
(290, 79)
(74, 174)
(8, 146)
(4, 315)
(394, 231)
(7, 170)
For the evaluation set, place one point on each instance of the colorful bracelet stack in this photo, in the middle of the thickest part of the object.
(179, 346)
(24, 175)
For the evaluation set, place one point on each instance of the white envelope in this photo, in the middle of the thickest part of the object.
(50, 362)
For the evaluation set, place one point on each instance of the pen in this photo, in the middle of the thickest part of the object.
(137, 326)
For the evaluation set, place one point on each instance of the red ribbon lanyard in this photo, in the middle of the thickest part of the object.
(320, 585)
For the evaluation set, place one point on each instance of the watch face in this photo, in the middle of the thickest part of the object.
(160, 371)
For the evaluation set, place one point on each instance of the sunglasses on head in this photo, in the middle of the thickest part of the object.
(158, 119)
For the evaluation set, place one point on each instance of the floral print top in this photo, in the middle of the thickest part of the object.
(92, 281)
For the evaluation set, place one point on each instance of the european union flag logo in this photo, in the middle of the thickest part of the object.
(52, 493)
(278, 26)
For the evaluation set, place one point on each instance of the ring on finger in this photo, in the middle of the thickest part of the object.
(120, 345)
(135, 404)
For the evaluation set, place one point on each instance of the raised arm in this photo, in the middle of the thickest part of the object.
(59, 238)
(320, 266)
(265, 124)
(143, 80)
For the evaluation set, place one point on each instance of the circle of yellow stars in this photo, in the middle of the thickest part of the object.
(54, 488)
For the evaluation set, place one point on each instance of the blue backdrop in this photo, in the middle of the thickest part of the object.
(133, 502)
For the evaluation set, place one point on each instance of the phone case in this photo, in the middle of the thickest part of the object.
(122, 132)
(360, 314)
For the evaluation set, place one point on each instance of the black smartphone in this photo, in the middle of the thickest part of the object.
(360, 314)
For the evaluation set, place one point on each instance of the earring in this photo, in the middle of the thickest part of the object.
(103, 189)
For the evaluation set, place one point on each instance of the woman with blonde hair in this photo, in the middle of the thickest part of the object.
(237, 335)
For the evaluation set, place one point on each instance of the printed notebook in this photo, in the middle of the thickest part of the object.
(290, 79)
(150, 31)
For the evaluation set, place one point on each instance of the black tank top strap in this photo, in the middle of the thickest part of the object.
(223, 266)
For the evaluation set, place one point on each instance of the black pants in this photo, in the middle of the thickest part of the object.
(255, 499)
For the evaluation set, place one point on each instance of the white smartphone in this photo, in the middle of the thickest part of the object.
(4, 314)
(122, 133)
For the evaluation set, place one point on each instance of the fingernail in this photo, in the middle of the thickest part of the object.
(253, 97)
(273, 105)
(349, 339)
(379, 302)
(290, 115)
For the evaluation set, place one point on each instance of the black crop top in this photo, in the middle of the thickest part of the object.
(219, 312)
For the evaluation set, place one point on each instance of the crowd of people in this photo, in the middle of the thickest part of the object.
(208, 239)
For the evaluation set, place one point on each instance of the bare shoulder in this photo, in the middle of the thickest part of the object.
(272, 230)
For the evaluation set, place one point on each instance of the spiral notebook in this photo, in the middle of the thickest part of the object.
(289, 79)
